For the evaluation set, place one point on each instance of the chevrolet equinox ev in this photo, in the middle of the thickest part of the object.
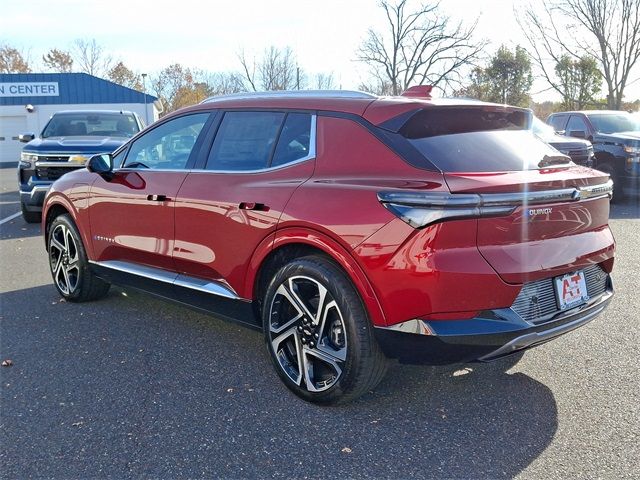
(349, 228)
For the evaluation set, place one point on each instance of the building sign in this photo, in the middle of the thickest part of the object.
(29, 89)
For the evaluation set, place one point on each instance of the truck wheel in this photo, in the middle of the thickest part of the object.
(318, 333)
(30, 217)
(69, 264)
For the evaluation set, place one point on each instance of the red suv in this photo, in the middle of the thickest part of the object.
(349, 228)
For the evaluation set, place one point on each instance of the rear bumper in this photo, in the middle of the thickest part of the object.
(493, 334)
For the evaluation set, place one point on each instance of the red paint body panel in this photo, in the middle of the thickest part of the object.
(126, 225)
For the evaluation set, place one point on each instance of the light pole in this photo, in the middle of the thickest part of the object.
(144, 88)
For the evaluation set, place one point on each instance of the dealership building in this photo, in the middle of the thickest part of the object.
(27, 101)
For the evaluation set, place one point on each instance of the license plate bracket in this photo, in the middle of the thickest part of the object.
(571, 290)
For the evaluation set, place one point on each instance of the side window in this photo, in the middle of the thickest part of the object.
(168, 146)
(576, 123)
(557, 122)
(244, 141)
(295, 139)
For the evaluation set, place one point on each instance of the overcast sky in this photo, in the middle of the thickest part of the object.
(149, 35)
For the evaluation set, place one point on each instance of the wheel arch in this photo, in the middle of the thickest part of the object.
(60, 205)
(291, 243)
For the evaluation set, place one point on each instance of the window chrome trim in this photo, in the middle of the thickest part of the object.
(310, 156)
(215, 287)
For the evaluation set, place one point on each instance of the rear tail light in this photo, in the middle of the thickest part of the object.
(420, 209)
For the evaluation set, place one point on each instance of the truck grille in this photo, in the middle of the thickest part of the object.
(54, 173)
(537, 302)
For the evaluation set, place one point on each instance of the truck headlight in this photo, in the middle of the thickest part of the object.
(26, 158)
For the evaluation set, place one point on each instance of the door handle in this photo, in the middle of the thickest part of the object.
(157, 198)
(253, 206)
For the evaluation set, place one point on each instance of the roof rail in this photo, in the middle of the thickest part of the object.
(292, 94)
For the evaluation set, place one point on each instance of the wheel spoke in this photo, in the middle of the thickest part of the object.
(69, 272)
(293, 371)
(322, 295)
(62, 282)
(283, 291)
(58, 246)
(328, 359)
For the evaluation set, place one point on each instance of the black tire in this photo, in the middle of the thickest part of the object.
(30, 217)
(325, 324)
(69, 264)
(618, 190)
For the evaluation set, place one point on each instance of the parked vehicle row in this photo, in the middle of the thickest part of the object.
(349, 228)
(615, 136)
(65, 144)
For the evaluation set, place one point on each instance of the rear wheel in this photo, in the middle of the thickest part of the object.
(30, 217)
(69, 264)
(318, 333)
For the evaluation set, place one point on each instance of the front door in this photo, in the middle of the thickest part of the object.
(132, 214)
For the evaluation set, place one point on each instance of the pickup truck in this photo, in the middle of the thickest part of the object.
(67, 141)
(615, 136)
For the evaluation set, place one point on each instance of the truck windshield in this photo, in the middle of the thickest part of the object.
(91, 125)
(478, 139)
(615, 122)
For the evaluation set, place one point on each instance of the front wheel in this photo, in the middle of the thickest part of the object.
(318, 333)
(69, 263)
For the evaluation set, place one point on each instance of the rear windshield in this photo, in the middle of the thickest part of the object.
(478, 139)
(91, 125)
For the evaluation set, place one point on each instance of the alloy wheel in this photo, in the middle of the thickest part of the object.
(307, 333)
(64, 259)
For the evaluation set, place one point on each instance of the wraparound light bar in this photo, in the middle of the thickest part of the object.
(420, 209)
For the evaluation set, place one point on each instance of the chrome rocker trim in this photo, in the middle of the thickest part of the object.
(201, 285)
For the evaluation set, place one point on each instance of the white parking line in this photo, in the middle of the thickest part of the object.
(10, 217)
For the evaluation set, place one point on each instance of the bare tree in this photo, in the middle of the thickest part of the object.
(58, 60)
(91, 57)
(420, 45)
(13, 60)
(608, 30)
(223, 83)
(276, 70)
(324, 81)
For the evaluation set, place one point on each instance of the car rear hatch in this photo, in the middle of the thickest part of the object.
(539, 214)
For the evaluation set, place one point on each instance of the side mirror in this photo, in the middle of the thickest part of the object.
(101, 164)
(578, 133)
(26, 137)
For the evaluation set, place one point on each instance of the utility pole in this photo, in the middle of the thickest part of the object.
(146, 111)
(297, 78)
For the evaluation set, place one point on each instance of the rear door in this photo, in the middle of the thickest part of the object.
(230, 205)
(558, 219)
(132, 214)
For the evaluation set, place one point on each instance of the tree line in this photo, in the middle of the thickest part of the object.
(579, 48)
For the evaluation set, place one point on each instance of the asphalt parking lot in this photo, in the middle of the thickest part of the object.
(131, 386)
